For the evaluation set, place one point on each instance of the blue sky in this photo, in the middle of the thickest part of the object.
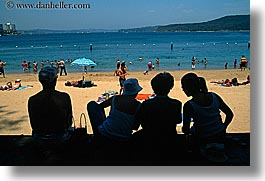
(116, 14)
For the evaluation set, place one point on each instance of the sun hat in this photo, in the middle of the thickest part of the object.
(131, 87)
(48, 74)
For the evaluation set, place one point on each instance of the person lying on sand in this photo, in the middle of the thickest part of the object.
(233, 82)
(75, 83)
(80, 83)
(7, 86)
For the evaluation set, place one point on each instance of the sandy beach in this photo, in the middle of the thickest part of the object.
(13, 107)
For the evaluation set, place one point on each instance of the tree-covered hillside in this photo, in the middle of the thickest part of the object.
(227, 23)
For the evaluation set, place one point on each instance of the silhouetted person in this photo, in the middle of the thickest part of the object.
(204, 110)
(159, 117)
(50, 111)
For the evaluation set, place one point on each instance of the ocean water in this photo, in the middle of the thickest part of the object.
(217, 47)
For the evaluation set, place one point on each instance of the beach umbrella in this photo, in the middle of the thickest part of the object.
(83, 62)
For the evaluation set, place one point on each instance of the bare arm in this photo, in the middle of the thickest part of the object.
(225, 109)
(122, 75)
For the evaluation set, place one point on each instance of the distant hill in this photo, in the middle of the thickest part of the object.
(227, 23)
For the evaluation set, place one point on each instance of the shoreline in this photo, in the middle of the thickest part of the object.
(14, 115)
(208, 73)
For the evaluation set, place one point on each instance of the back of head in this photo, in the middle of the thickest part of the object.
(48, 76)
(202, 85)
(190, 83)
(162, 83)
(131, 87)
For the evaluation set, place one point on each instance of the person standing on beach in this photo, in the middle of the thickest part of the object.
(157, 63)
(50, 111)
(243, 63)
(122, 73)
(62, 67)
(158, 118)
(2, 71)
(235, 63)
(149, 65)
(118, 62)
(226, 65)
(117, 70)
(29, 66)
(205, 62)
(35, 67)
(193, 63)
(204, 111)
(41, 64)
(25, 66)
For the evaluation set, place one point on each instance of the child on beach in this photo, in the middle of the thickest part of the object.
(204, 110)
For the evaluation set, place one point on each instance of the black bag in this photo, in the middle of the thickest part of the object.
(79, 134)
(81, 131)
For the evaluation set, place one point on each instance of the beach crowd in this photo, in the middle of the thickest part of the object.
(60, 65)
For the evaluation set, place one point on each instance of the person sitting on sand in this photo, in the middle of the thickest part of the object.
(121, 121)
(7, 86)
(50, 111)
(158, 118)
(204, 110)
